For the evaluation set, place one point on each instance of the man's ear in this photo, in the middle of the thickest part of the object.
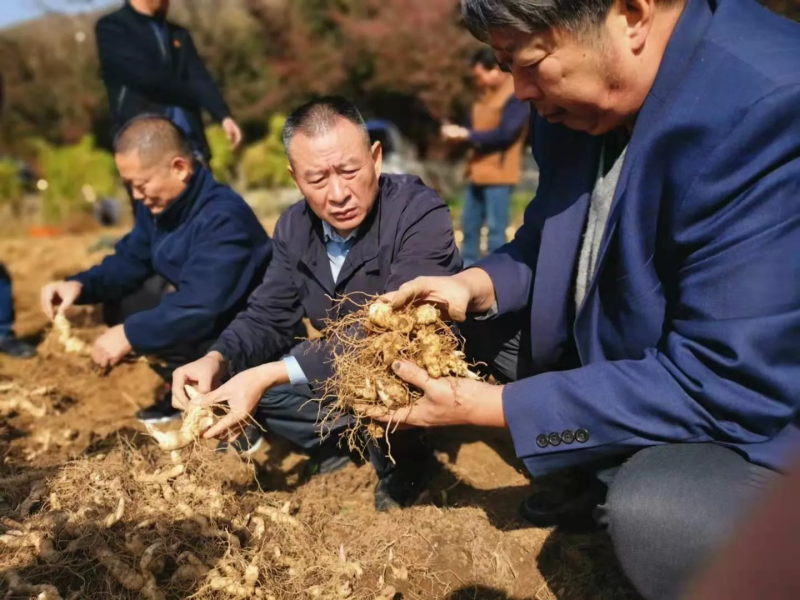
(638, 18)
(183, 168)
(290, 168)
(377, 157)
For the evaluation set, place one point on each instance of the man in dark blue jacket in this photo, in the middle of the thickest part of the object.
(657, 271)
(198, 235)
(150, 65)
(356, 232)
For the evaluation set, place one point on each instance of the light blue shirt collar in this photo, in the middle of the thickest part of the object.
(332, 236)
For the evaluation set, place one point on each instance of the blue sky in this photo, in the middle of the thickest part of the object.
(14, 11)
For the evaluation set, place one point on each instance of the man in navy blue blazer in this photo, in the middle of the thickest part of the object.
(656, 279)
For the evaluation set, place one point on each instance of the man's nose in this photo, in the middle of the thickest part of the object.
(337, 190)
(525, 89)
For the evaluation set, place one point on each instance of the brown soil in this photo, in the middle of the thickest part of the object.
(463, 539)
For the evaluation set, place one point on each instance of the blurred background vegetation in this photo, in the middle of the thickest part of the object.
(399, 60)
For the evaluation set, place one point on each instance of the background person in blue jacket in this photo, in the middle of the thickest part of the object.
(657, 270)
(357, 232)
(200, 236)
(496, 138)
(151, 65)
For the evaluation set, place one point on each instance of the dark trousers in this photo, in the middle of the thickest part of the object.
(146, 298)
(669, 508)
(6, 303)
(292, 412)
(488, 204)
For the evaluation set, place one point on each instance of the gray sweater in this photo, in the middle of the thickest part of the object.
(599, 206)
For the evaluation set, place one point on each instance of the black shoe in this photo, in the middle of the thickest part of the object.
(325, 459)
(570, 507)
(248, 442)
(400, 488)
(15, 347)
(160, 412)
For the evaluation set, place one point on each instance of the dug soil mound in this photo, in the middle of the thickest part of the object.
(92, 508)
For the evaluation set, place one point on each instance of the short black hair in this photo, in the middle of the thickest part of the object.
(532, 16)
(152, 137)
(319, 116)
(486, 58)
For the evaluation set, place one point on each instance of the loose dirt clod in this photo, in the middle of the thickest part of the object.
(367, 341)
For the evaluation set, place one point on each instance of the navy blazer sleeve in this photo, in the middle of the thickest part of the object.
(726, 367)
(120, 60)
(265, 330)
(216, 276)
(123, 272)
(515, 114)
(426, 246)
(200, 80)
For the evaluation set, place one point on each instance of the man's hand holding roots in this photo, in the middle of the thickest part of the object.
(446, 401)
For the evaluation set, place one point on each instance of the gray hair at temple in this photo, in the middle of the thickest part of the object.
(534, 16)
(319, 116)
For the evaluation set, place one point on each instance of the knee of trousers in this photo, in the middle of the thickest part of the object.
(668, 510)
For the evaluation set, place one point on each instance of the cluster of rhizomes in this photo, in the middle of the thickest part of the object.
(368, 341)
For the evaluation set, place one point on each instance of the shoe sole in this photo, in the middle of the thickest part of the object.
(254, 448)
(157, 420)
(249, 452)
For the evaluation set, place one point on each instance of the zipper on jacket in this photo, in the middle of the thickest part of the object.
(161, 42)
(121, 98)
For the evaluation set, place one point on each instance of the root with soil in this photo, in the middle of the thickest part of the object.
(366, 342)
(195, 421)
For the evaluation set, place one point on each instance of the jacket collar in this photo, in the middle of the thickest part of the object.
(365, 247)
(158, 18)
(180, 210)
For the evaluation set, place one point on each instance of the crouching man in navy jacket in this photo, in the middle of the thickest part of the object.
(356, 232)
(656, 277)
(200, 236)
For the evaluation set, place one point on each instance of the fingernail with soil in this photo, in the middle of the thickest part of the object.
(396, 366)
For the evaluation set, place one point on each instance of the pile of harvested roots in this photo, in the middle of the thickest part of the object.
(118, 526)
(366, 342)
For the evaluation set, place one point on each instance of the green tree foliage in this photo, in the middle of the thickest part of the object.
(264, 163)
(73, 173)
(223, 157)
(10, 184)
(405, 60)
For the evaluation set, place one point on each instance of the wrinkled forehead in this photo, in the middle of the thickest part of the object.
(342, 144)
(508, 42)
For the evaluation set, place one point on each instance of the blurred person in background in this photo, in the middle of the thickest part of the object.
(357, 232)
(198, 235)
(10, 344)
(496, 136)
(150, 65)
(656, 274)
